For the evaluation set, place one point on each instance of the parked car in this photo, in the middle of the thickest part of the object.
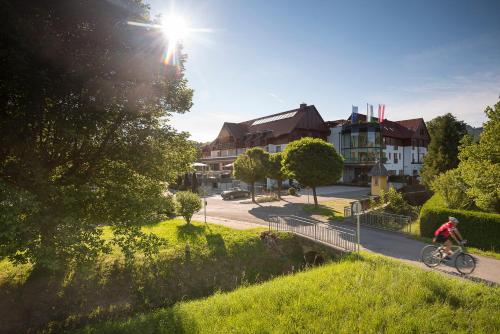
(235, 193)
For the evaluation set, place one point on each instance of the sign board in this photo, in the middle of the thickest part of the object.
(356, 207)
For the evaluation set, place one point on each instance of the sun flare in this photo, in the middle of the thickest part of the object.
(175, 28)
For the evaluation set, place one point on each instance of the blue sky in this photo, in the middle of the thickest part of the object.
(420, 58)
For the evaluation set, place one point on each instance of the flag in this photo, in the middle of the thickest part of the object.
(354, 115)
(381, 111)
(369, 112)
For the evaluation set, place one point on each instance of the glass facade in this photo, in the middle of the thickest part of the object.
(361, 144)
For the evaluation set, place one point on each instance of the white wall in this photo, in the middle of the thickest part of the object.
(390, 165)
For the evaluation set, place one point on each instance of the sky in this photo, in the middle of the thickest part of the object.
(419, 58)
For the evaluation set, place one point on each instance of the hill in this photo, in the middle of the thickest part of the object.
(371, 294)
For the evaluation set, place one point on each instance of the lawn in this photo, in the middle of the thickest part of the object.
(332, 210)
(217, 259)
(371, 294)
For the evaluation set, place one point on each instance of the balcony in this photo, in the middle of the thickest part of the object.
(363, 161)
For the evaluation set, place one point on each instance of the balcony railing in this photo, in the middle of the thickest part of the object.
(364, 160)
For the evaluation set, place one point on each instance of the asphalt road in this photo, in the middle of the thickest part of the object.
(243, 214)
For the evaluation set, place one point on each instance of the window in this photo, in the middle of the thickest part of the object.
(413, 157)
(375, 180)
(399, 156)
(389, 155)
(278, 148)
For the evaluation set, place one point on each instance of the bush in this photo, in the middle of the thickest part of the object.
(452, 189)
(292, 191)
(394, 203)
(187, 204)
(481, 229)
(169, 208)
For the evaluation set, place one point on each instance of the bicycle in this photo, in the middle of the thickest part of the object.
(432, 256)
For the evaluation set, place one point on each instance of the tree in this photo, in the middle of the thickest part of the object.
(445, 132)
(313, 162)
(188, 204)
(275, 170)
(194, 183)
(452, 188)
(251, 167)
(480, 164)
(84, 138)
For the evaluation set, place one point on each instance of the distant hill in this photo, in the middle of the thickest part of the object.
(474, 132)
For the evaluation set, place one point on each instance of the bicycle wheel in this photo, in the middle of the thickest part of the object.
(465, 263)
(431, 256)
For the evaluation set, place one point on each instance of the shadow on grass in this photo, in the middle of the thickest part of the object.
(108, 289)
(190, 232)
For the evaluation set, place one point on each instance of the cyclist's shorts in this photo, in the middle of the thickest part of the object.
(441, 238)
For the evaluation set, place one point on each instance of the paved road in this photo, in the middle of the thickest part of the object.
(242, 214)
(245, 210)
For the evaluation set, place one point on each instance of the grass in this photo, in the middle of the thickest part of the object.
(332, 210)
(371, 294)
(219, 259)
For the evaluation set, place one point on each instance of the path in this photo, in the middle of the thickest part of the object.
(387, 243)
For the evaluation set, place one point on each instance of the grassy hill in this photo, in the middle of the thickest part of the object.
(219, 259)
(371, 294)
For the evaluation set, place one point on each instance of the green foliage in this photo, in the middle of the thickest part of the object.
(481, 229)
(480, 164)
(445, 132)
(292, 191)
(370, 294)
(188, 204)
(392, 201)
(275, 171)
(170, 206)
(220, 259)
(83, 133)
(251, 166)
(312, 162)
(452, 188)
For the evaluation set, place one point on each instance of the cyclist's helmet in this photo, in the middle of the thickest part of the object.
(453, 220)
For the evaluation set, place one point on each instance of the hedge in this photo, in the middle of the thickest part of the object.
(481, 229)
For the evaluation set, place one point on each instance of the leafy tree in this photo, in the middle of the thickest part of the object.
(480, 164)
(84, 138)
(251, 167)
(188, 204)
(453, 189)
(194, 183)
(275, 170)
(313, 162)
(446, 132)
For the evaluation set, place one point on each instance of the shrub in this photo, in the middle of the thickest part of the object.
(452, 189)
(187, 204)
(292, 191)
(481, 229)
(169, 208)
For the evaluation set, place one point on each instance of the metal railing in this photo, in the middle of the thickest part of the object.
(386, 221)
(339, 237)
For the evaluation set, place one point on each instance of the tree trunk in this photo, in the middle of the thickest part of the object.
(279, 188)
(253, 191)
(315, 198)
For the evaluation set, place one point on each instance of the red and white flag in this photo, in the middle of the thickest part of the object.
(381, 110)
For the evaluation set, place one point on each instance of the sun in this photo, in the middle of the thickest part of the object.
(175, 28)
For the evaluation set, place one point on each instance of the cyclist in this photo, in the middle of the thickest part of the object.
(443, 233)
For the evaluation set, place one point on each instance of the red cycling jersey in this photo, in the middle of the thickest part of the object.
(445, 229)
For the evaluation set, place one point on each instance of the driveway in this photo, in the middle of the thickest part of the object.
(245, 210)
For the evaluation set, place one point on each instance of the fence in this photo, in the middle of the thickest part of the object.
(381, 220)
(336, 236)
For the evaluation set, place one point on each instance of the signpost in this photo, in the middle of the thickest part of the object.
(356, 209)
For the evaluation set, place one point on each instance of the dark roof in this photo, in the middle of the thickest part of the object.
(411, 124)
(236, 129)
(395, 130)
(378, 170)
(275, 125)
